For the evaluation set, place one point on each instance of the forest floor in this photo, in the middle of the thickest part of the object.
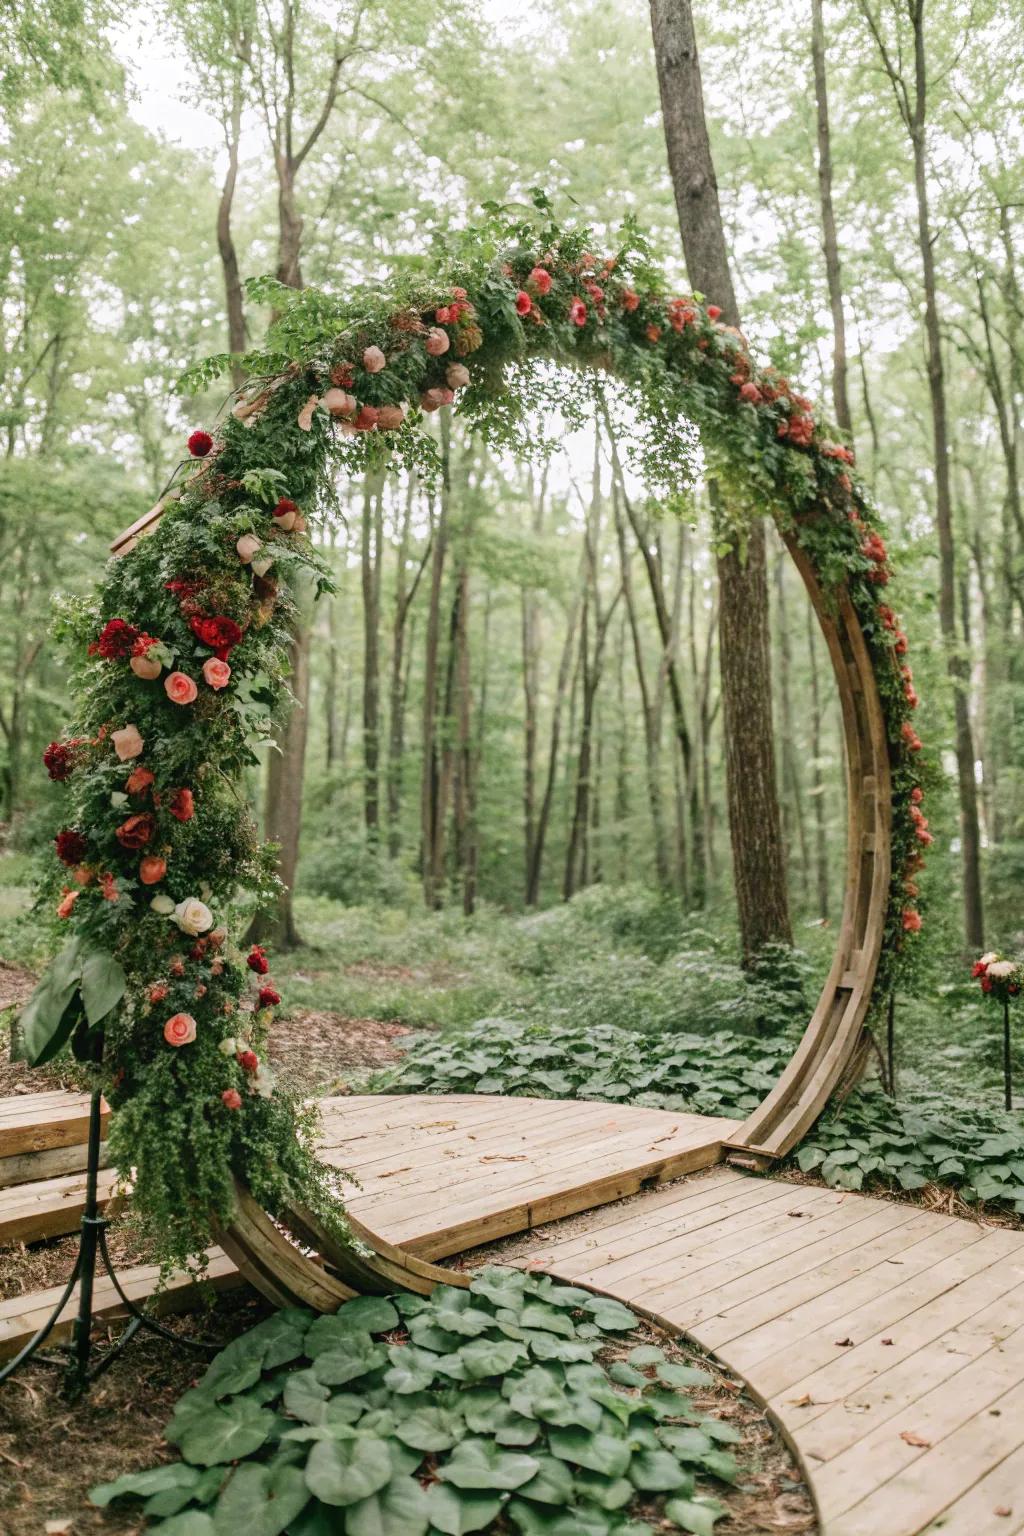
(364, 982)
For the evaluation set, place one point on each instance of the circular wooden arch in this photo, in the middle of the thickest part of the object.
(309, 1268)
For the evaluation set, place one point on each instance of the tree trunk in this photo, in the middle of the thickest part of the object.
(833, 269)
(430, 824)
(754, 819)
(233, 292)
(371, 548)
(283, 820)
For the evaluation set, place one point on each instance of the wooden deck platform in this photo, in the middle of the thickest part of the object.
(886, 1341)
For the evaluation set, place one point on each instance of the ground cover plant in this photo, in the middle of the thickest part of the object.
(493, 1408)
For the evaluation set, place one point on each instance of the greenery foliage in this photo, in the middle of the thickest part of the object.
(402, 1416)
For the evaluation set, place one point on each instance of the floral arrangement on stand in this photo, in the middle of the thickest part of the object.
(1002, 980)
(182, 655)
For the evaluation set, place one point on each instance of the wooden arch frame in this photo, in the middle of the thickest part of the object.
(309, 1268)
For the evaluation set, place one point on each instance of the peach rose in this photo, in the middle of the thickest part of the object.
(127, 743)
(217, 673)
(339, 402)
(65, 905)
(231, 1098)
(147, 667)
(83, 875)
(152, 869)
(374, 360)
(457, 375)
(431, 399)
(180, 688)
(180, 1029)
(437, 342)
(390, 417)
(247, 547)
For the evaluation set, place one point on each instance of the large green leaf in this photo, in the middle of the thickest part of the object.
(400, 1509)
(103, 984)
(598, 1452)
(156, 1480)
(222, 1433)
(458, 1511)
(345, 1471)
(658, 1472)
(48, 1018)
(306, 1398)
(552, 1483)
(480, 1464)
(191, 1522)
(430, 1428)
(491, 1357)
(260, 1500)
(696, 1517)
(348, 1360)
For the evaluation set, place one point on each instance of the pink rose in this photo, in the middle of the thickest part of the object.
(390, 417)
(540, 280)
(523, 303)
(437, 342)
(180, 688)
(180, 1029)
(457, 375)
(217, 673)
(374, 360)
(431, 399)
(127, 742)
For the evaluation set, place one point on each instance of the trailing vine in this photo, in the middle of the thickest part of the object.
(181, 657)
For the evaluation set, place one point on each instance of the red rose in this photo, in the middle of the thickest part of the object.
(986, 984)
(269, 998)
(540, 281)
(115, 641)
(71, 847)
(713, 311)
(257, 960)
(219, 633)
(578, 312)
(248, 1061)
(136, 831)
(58, 760)
(978, 969)
(199, 444)
(911, 920)
(231, 1098)
(523, 303)
(284, 506)
(182, 805)
(916, 795)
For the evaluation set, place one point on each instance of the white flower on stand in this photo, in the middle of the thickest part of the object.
(1001, 969)
(263, 1082)
(162, 904)
(228, 1046)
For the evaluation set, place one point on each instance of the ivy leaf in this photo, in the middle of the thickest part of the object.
(480, 1464)
(222, 1433)
(598, 1452)
(344, 1471)
(260, 1500)
(400, 1509)
(156, 1480)
(458, 1511)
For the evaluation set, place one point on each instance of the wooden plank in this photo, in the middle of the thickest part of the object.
(22, 1316)
(941, 1474)
(31, 1212)
(30, 1167)
(31, 1127)
(993, 1507)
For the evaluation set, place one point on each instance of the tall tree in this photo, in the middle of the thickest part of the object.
(754, 818)
(910, 89)
(833, 266)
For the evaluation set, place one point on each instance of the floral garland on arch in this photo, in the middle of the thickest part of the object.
(182, 654)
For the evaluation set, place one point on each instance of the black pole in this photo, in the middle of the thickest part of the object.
(1007, 1080)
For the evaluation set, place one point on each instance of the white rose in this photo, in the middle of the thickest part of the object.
(1000, 969)
(263, 1082)
(162, 904)
(193, 916)
(988, 959)
(228, 1046)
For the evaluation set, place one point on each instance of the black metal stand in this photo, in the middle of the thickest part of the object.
(76, 1358)
(1007, 1063)
(890, 1043)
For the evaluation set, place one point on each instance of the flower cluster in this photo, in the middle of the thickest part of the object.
(999, 977)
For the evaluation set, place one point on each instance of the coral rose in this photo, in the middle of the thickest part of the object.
(127, 743)
(231, 1098)
(180, 688)
(180, 1029)
(367, 418)
(578, 312)
(540, 281)
(523, 303)
(139, 781)
(713, 311)
(437, 342)
(216, 673)
(911, 920)
(67, 902)
(136, 831)
(152, 869)
(182, 806)
(374, 360)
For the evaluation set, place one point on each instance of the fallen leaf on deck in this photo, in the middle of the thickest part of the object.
(1002, 1510)
(844, 1343)
(801, 1402)
(503, 1157)
(913, 1438)
(389, 1173)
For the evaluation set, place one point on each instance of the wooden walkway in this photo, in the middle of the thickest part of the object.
(887, 1341)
